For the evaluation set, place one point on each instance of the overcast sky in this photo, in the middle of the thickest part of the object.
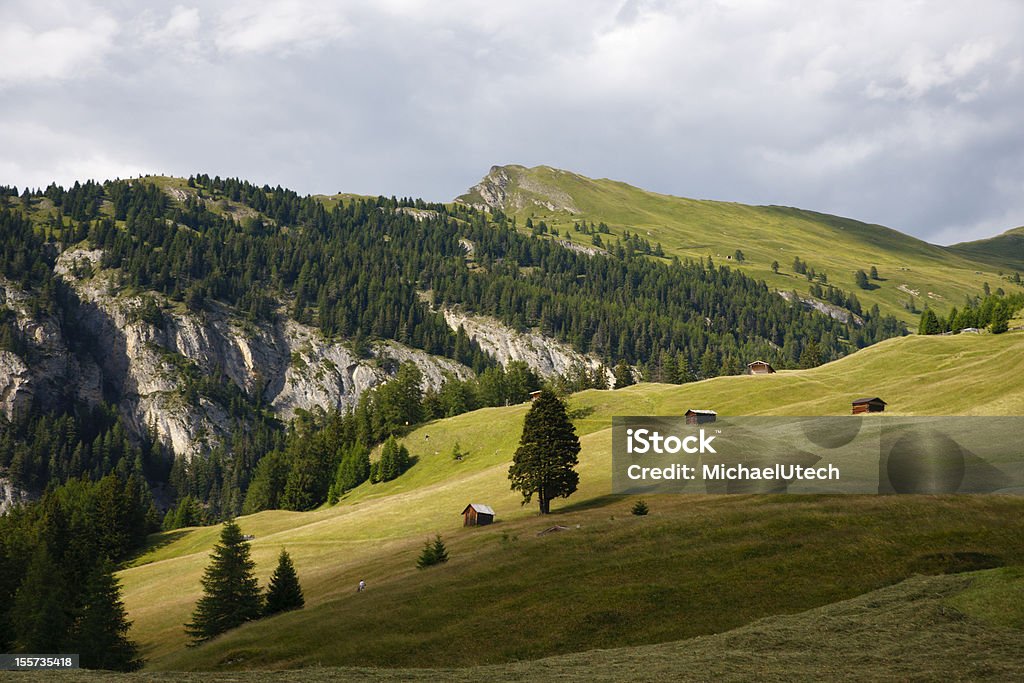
(909, 114)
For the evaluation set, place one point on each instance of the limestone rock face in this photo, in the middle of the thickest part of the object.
(545, 356)
(150, 360)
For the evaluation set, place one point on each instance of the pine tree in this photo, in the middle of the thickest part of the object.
(810, 357)
(284, 592)
(545, 460)
(861, 278)
(231, 595)
(100, 632)
(434, 552)
(623, 375)
(640, 508)
(929, 323)
(39, 616)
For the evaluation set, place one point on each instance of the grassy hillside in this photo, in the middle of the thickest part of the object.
(925, 628)
(696, 565)
(908, 267)
(1003, 251)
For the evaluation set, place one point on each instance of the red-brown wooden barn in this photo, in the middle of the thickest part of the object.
(476, 514)
(868, 405)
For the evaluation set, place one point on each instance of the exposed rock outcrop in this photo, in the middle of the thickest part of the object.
(831, 310)
(545, 356)
(513, 188)
(150, 355)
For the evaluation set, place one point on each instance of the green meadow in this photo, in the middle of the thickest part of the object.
(697, 565)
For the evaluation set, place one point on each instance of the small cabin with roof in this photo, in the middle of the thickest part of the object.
(476, 514)
(868, 405)
(699, 417)
(760, 367)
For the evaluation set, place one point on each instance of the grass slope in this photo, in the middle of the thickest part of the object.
(914, 630)
(697, 565)
(689, 228)
(1003, 251)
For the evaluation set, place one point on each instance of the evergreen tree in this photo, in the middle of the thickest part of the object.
(39, 613)
(861, 278)
(545, 460)
(231, 595)
(623, 375)
(100, 632)
(874, 273)
(640, 508)
(810, 357)
(434, 552)
(284, 592)
(929, 323)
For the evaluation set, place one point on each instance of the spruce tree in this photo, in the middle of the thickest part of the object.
(543, 464)
(100, 632)
(231, 595)
(284, 592)
(623, 375)
(39, 616)
(434, 552)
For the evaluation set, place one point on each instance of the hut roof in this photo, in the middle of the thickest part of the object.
(693, 411)
(859, 401)
(481, 509)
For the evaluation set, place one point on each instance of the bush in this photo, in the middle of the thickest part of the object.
(640, 508)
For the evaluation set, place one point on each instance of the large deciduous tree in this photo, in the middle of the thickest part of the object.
(544, 463)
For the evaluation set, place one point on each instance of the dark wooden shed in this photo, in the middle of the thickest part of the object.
(868, 405)
(476, 514)
(760, 367)
(699, 417)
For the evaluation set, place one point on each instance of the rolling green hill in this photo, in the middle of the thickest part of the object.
(908, 267)
(1003, 251)
(924, 628)
(696, 565)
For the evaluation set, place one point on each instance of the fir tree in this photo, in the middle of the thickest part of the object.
(623, 375)
(284, 592)
(810, 357)
(100, 632)
(545, 460)
(39, 616)
(929, 323)
(434, 552)
(231, 595)
(640, 508)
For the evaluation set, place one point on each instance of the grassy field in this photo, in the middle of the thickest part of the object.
(917, 630)
(697, 565)
(933, 275)
(1003, 251)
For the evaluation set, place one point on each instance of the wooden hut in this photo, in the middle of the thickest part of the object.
(868, 405)
(760, 367)
(534, 395)
(476, 514)
(699, 417)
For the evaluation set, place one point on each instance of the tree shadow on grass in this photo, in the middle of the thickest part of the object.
(155, 542)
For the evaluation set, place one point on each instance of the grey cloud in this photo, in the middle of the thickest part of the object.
(901, 113)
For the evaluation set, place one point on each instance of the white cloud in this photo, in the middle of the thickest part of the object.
(29, 54)
(285, 26)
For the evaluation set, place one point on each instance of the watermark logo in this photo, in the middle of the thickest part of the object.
(848, 454)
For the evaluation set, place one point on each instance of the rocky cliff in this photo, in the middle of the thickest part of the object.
(545, 356)
(149, 355)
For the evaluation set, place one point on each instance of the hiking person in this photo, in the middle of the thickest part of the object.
(362, 586)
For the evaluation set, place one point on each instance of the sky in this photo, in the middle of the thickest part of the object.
(904, 113)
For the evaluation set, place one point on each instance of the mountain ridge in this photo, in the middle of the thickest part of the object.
(913, 273)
